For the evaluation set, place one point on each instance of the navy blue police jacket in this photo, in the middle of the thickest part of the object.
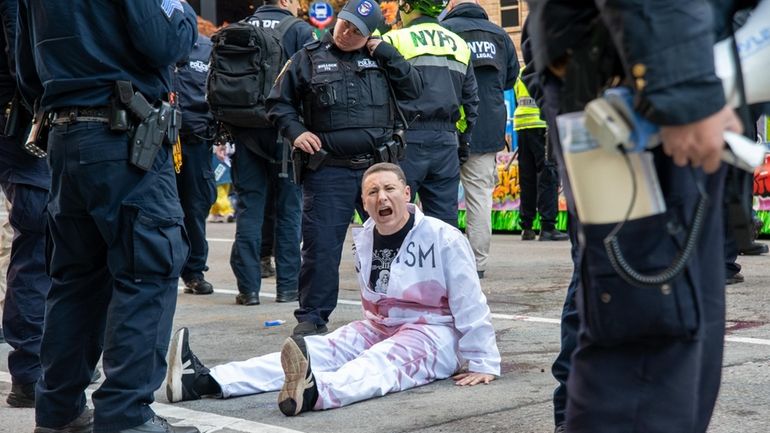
(296, 81)
(496, 67)
(70, 53)
(16, 165)
(190, 87)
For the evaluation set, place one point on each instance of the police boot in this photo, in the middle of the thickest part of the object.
(84, 423)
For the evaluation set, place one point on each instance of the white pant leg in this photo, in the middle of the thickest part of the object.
(479, 176)
(326, 352)
(415, 355)
(6, 236)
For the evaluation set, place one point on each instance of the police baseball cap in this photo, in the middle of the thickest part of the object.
(366, 15)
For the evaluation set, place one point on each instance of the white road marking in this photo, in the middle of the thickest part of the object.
(514, 317)
(206, 422)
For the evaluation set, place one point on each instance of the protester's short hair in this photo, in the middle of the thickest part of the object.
(385, 166)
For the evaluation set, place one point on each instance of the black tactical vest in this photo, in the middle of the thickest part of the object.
(349, 93)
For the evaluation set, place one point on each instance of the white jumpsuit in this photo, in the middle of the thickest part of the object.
(432, 319)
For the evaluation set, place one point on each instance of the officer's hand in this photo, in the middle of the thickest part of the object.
(308, 142)
(372, 44)
(470, 379)
(463, 152)
(220, 152)
(700, 143)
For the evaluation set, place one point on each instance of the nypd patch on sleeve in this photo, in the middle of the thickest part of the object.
(169, 6)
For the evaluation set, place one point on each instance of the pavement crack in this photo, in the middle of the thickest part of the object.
(480, 415)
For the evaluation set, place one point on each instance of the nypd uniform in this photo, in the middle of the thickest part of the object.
(495, 63)
(626, 374)
(343, 98)
(431, 165)
(25, 181)
(538, 178)
(195, 182)
(254, 176)
(118, 242)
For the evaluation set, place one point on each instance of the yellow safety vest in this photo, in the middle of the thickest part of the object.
(526, 115)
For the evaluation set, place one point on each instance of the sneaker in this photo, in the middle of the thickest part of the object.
(552, 235)
(157, 424)
(21, 395)
(755, 249)
(735, 279)
(183, 369)
(215, 219)
(198, 286)
(267, 267)
(249, 298)
(84, 423)
(300, 392)
(528, 235)
(304, 329)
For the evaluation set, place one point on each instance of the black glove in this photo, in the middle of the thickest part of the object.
(463, 151)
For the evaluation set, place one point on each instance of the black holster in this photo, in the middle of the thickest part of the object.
(155, 124)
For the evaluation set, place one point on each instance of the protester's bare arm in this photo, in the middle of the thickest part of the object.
(700, 143)
(470, 378)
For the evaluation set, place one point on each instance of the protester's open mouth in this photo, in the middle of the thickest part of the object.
(385, 211)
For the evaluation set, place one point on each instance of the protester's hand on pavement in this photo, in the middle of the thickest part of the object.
(700, 143)
(308, 142)
(470, 379)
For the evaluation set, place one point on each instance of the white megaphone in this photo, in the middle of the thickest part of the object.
(753, 40)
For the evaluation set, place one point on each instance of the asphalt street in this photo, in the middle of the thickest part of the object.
(525, 286)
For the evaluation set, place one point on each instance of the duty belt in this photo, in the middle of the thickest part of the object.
(359, 162)
(80, 114)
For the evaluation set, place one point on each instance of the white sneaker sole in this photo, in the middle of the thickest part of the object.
(174, 372)
(294, 366)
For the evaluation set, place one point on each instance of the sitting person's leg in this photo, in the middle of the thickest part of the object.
(188, 379)
(413, 356)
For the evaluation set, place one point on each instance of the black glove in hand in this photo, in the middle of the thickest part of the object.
(463, 152)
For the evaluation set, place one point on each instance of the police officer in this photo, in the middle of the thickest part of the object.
(25, 180)
(332, 102)
(647, 359)
(538, 177)
(195, 181)
(116, 226)
(434, 154)
(495, 65)
(257, 166)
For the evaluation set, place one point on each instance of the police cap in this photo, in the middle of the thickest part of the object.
(364, 14)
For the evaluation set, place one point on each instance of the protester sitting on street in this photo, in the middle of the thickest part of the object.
(424, 316)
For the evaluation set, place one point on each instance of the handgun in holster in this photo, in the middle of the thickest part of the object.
(154, 125)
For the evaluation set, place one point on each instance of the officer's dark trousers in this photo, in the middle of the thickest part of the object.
(330, 195)
(197, 192)
(662, 384)
(538, 179)
(252, 178)
(117, 248)
(432, 171)
(28, 282)
(570, 322)
(268, 226)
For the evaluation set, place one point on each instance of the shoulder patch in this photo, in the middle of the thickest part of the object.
(169, 6)
(312, 45)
